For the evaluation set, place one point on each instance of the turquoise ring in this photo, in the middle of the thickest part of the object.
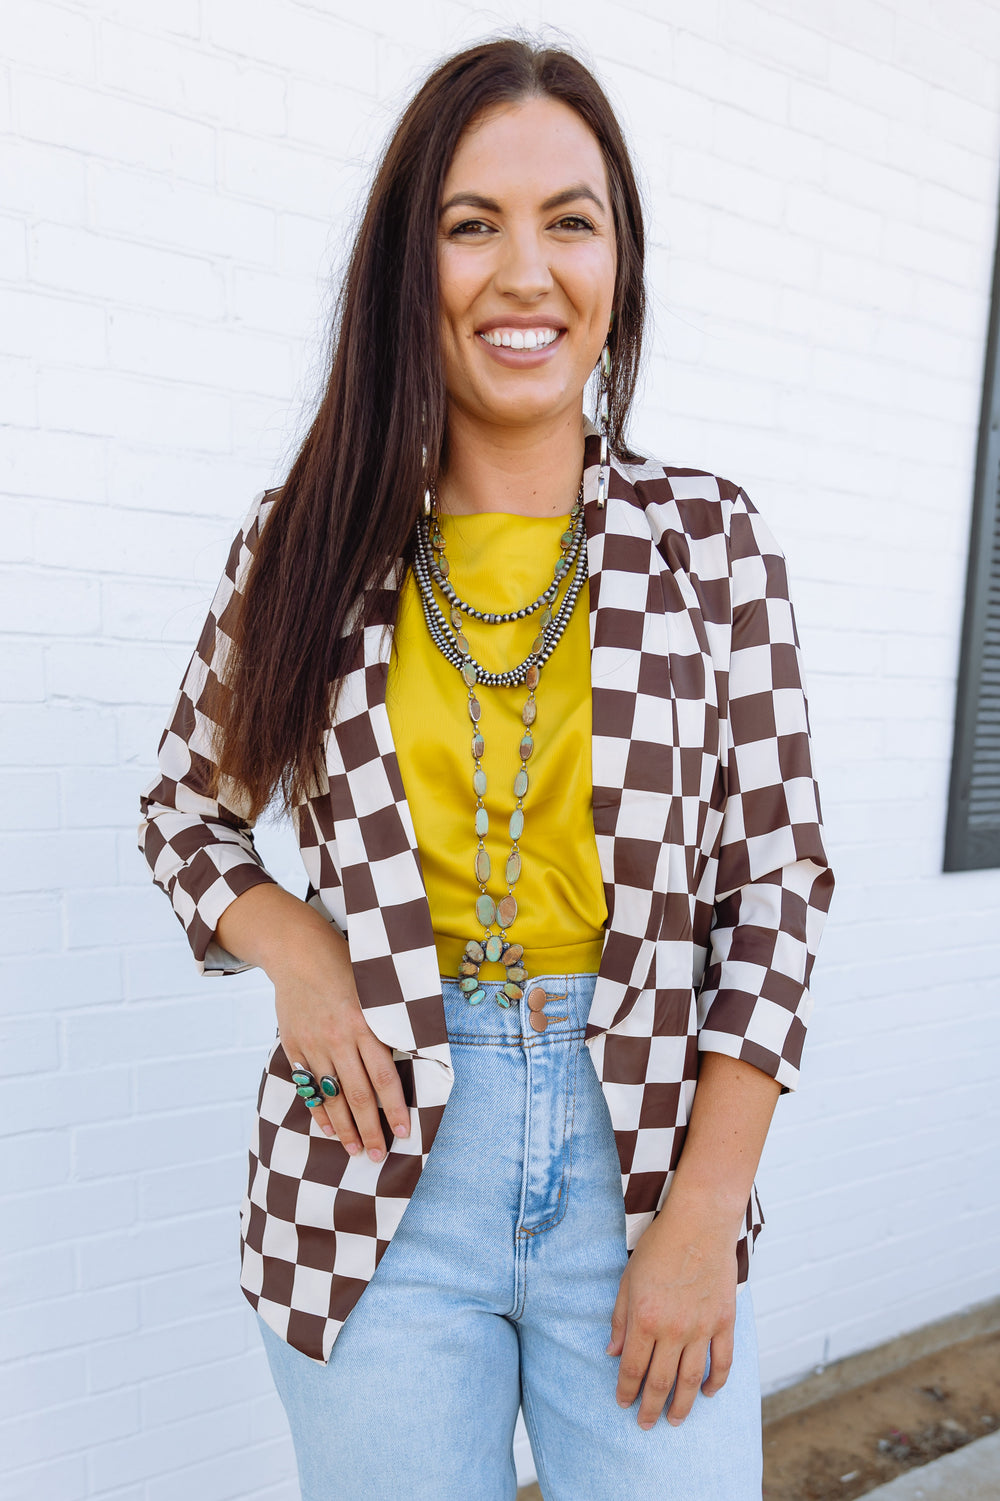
(305, 1085)
(329, 1086)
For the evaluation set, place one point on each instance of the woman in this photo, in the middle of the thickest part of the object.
(543, 1000)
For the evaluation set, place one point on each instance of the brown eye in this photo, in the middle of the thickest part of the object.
(469, 228)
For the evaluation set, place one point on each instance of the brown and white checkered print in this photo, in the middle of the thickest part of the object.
(708, 830)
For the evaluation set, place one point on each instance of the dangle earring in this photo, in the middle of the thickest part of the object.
(423, 446)
(604, 473)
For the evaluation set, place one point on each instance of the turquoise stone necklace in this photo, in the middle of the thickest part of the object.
(431, 563)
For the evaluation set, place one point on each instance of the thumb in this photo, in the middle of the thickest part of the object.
(619, 1319)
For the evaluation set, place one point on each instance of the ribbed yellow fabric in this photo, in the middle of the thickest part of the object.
(500, 562)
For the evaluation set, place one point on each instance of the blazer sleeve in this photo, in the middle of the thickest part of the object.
(773, 883)
(200, 848)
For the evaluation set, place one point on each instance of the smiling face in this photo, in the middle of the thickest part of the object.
(526, 265)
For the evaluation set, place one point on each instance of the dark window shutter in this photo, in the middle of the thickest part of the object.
(972, 841)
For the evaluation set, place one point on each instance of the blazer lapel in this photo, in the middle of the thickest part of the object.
(634, 764)
(635, 746)
(388, 917)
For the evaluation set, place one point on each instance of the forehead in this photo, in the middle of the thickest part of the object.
(534, 147)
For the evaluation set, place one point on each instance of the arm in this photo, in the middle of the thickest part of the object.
(773, 886)
(320, 1019)
(200, 849)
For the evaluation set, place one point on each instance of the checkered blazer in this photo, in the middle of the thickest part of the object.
(708, 831)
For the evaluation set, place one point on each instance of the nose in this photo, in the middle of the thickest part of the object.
(523, 270)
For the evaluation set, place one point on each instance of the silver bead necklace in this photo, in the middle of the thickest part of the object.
(431, 566)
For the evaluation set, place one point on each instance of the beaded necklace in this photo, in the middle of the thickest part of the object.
(431, 563)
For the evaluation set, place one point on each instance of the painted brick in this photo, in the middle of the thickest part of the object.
(61, 1323)
(22, 674)
(103, 266)
(302, 42)
(148, 1455)
(35, 978)
(39, 180)
(46, 603)
(31, 1386)
(28, 800)
(192, 1293)
(821, 194)
(229, 358)
(101, 1095)
(74, 1428)
(186, 1394)
(169, 1191)
(140, 206)
(59, 1480)
(39, 862)
(149, 1252)
(40, 462)
(121, 130)
(141, 410)
(53, 40)
(28, 1043)
(134, 1033)
(230, 1479)
(156, 1141)
(34, 1160)
(183, 1345)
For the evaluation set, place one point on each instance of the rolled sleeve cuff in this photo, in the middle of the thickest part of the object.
(202, 894)
(758, 1031)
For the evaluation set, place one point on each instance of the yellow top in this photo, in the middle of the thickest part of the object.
(499, 562)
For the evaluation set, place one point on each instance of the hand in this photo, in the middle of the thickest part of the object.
(321, 1024)
(676, 1300)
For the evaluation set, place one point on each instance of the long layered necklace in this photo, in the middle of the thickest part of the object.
(430, 566)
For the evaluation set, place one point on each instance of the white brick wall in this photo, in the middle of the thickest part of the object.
(177, 184)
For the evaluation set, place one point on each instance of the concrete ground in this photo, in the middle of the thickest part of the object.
(971, 1473)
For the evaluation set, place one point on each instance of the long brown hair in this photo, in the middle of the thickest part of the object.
(350, 503)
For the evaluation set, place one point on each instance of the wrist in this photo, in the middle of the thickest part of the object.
(302, 940)
(706, 1208)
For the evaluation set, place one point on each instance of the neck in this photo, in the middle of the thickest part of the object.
(506, 469)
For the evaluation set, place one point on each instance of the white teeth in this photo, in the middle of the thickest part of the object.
(521, 338)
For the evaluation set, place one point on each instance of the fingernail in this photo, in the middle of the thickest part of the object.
(327, 1130)
(645, 1426)
(623, 1403)
(353, 1148)
(401, 1130)
(375, 1154)
(675, 1422)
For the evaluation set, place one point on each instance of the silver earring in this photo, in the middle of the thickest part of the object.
(604, 472)
(423, 446)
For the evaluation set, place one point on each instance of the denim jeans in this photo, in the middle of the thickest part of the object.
(496, 1293)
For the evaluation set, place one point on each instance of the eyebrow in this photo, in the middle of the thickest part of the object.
(558, 200)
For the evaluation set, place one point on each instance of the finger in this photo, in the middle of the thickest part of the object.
(722, 1360)
(356, 1090)
(618, 1320)
(689, 1374)
(304, 1077)
(340, 1117)
(656, 1388)
(633, 1364)
(386, 1082)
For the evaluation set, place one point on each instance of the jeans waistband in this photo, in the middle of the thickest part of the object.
(565, 1011)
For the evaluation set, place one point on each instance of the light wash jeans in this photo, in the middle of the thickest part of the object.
(496, 1292)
